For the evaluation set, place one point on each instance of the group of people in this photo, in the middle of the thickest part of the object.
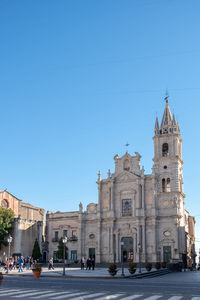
(17, 262)
(90, 263)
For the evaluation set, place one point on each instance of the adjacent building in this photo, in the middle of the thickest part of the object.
(29, 224)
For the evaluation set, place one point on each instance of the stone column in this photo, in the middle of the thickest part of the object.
(98, 254)
(112, 208)
(117, 247)
(112, 197)
(143, 203)
(144, 240)
(112, 242)
(80, 246)
(99, 227)
(154, 243)
(138, 195)
(137, 241)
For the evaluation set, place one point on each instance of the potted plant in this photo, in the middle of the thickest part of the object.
(132, 267)
(157, 265)
(1, 277)
(164, 264)
(113, 269)
(148, 267)
(37, 269)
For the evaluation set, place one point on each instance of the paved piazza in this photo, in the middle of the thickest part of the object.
(174, 286)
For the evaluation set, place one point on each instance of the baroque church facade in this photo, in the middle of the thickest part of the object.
(138, 215)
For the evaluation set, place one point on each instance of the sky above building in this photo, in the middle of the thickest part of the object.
(80, 79)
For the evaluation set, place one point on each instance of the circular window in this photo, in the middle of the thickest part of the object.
(92, 236)
(165, 167)
(4, 203)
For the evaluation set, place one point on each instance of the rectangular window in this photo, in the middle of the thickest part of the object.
(74, 233)
(64, 233)
(126, 207)
(56, 236)
(73, 255)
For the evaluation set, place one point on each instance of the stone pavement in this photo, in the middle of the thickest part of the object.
(74, 272)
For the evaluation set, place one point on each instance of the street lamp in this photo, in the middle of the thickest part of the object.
(122, 258)
(9, 242)
(139, 248)
(64, 243)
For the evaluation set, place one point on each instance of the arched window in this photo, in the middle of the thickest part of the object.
(126, 165)
(163, 185)
(168, 188)
(165, 149)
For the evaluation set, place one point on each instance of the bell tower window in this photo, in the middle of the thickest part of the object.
(168, 188)
(163, 185)
(126, 165)
(165, 149)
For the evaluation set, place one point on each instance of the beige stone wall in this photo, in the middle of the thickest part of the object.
(28, 225)
(12, 201)
(30, 212)
(59, 222)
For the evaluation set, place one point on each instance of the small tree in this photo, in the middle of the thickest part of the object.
(59, 252)
(36, 250)
(6, 222)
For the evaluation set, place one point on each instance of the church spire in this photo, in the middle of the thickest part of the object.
(167, 116)
(168, 124)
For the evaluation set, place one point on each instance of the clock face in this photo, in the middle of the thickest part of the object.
(167, 233)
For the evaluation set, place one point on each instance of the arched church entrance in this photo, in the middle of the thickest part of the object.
(127, 249)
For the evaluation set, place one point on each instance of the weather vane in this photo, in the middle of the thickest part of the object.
(166, 96)
(127, 144)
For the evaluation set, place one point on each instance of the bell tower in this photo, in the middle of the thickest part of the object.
(168, 198)
(167, 159)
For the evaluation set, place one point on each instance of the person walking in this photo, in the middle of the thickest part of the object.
(21, 263)
(31, 262)
(51, 264)
(28, 263)
(82, 263)
(89, 263)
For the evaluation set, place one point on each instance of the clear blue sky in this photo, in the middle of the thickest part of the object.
(78, 79)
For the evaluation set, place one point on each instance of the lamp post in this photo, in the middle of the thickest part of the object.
(122, 258)
(9, 242)
(64, 243)
(139, 248)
